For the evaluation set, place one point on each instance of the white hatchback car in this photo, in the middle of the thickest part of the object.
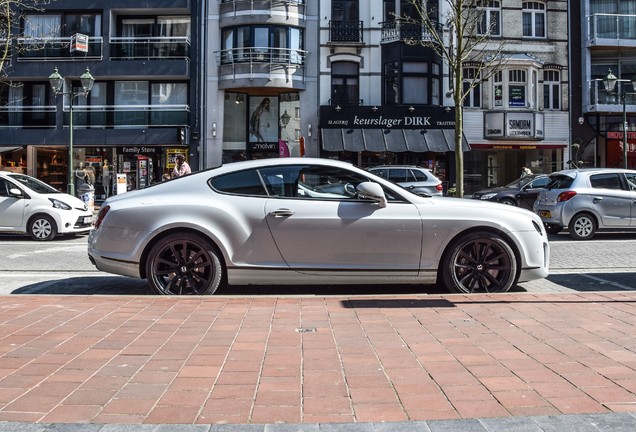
(28, 205)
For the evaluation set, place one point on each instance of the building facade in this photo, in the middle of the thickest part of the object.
(603, 115)
(140, 112)
(261, 80)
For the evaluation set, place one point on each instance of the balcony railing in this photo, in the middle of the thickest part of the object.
(56, 48)
(27, 116)
(346, 102)
(603, 100)
(275, 56)
(345, 31)
(97, 116)
(612, 27)
(137, 48)
(236, 6)
(399, 30)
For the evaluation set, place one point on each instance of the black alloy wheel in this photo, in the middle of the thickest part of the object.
(184, 264)
(480, 262)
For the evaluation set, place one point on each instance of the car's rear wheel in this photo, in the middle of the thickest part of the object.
(582, 227)
(479, 262)
(184, 264)
(42, 228)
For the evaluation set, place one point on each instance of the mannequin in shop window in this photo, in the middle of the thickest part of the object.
(106, 178)
(81, 176)
(90, 175)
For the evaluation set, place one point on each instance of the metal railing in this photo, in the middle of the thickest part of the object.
(345, 31)
(131, 48)
(97, 116)
(346, 102)
(28, 116)
(56, 48)
(600, 96)
(234, 6)
(400, 30)
(611, 26)
(274, 56)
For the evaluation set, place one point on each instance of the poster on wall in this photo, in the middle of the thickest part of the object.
(263, 124)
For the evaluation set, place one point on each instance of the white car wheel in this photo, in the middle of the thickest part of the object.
(42, 228)
(184, 264)
(479, 262)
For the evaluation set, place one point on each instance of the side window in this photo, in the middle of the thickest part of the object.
(540, 182)
(605, 181)
(631, 181)
(398, 175)
(319, 182)
(239, 183)
(4, 188)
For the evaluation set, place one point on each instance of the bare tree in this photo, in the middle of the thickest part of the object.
(459, 31)
(10, 13)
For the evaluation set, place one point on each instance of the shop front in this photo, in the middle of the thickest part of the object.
(391, 135)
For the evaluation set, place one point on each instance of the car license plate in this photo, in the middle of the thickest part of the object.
(545, 214)
(88, 219)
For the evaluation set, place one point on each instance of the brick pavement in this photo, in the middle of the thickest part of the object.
(315, 360)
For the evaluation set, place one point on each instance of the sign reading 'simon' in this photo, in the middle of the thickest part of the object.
(79, 42)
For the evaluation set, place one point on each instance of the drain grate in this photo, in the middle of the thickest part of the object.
(306, 330)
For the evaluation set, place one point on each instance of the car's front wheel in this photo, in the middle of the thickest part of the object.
(582, 227)
(508, 201)
(184, 264)
(479, 262)
(42, 228)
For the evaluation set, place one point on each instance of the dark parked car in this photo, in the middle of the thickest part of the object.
(521, 192)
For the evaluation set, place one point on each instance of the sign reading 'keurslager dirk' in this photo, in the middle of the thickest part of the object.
(386, 117)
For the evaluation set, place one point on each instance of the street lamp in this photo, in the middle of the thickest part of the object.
(609, 82)
(57, 84)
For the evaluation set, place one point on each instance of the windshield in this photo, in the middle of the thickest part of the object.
(519, 183)
(34, 184)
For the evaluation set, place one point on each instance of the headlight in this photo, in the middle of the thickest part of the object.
(59, 204)
(488, 196)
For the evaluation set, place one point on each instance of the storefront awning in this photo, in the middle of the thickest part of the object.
(391, 140)
(9, 149)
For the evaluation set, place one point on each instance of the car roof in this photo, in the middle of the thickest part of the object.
(574, 172)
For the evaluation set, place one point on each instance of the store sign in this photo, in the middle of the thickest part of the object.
(386, 117)
(513, 125)
(139, 150)
(79, 42)
(267, 147)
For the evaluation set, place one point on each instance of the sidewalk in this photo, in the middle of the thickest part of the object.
(315, 363)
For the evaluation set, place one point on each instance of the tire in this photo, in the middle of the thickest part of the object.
(479, 262)
(508, 201)
(582, 227)
(553, 229)
(184, 264)
(42, 228)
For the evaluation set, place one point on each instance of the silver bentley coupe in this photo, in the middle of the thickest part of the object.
(299, 221)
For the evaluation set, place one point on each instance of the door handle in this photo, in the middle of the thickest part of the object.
(597, 199)
(281, 213)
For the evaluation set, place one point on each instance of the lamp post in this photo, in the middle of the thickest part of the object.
(57, 83)
(609, 82)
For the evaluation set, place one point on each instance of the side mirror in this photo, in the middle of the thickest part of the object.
(372, 191)
(15, 192)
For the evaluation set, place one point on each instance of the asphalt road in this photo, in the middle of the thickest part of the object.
(606, 263)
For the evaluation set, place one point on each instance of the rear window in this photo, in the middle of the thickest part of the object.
(560, 182)
(419, 175)
(240, 183)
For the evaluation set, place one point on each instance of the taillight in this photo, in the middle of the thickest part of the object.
(565, 196)
(101, 215)
(439, 187)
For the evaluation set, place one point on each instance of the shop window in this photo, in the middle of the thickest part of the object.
(345, 83)
(534, 23)
(551, 90)
(490, 23)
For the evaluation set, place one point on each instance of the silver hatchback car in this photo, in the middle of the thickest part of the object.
(412, 178)
(588, 200)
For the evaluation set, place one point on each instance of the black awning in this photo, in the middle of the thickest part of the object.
(391, 140)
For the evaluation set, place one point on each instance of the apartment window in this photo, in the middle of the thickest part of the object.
(491, 19)
(551, 90)
(498, 89)
(412, 82)
(42, 26)
(278, 44)
(344, 10)
(415, 83)
(534, 19)
(345, 87)
(517, 88)
(472, 88)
